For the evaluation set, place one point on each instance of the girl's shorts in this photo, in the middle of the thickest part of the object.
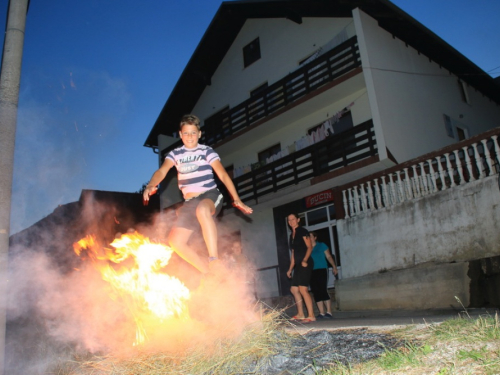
(302, 275)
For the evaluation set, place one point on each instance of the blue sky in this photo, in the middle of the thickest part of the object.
(96, 74)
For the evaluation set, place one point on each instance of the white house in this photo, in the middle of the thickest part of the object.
(303, 98)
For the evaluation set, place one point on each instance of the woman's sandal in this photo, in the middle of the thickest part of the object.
(307, 320)
(297, 318)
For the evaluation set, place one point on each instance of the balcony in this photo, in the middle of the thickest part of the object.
(310, 77)
(332, 153)
(324, 69)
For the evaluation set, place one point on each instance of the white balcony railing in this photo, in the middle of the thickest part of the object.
(454, 165)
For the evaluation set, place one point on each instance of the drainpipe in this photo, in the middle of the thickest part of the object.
(10, 78)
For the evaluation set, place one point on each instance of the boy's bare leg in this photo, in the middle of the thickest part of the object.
(204, 214)
(178, 240)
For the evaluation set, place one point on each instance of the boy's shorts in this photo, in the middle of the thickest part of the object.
(186, 215)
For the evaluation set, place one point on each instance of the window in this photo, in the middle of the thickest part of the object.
(273, 150)
(230, 171)
(257, 107)
(251, 52)
(464, 94)
(259, 89)
(448, 126)
(343, 122)
(217, 126)
(317, 216)
(310, 57)
(263, 156)
(461, 133)
(455, 129)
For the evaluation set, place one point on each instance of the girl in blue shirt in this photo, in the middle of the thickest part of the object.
(319, 278)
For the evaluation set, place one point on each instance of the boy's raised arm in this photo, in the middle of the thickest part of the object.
(226, 180)
(157, 177)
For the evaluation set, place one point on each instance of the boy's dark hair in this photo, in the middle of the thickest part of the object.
(190, 120)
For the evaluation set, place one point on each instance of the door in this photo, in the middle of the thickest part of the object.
(322, 221)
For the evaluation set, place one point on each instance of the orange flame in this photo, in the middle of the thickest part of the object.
(151, 296)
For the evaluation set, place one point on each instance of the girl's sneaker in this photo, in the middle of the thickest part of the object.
(328, 316)
(320, 316)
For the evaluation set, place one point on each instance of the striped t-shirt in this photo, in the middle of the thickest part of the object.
(194, 172)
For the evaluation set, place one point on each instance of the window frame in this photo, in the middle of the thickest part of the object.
(250, 56)
(261, 156)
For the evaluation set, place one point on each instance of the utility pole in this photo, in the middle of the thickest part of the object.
(10, 80)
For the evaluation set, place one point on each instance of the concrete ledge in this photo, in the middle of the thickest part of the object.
(431, 286)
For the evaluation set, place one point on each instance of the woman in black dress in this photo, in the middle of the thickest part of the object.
(302, 264)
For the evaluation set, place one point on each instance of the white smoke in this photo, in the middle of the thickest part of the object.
(70, 305)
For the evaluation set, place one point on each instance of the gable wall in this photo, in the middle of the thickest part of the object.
(412, 93)
(283, 44)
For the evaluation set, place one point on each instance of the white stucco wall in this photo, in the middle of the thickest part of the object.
(457, 224)
(259, 245)
(283, 45)
(409, 94)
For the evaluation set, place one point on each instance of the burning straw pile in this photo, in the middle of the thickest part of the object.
(132, 317)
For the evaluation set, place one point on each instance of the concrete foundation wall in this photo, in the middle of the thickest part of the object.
(454, 225)
(417, 255)
(426, 287)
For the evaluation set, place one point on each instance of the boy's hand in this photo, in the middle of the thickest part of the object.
(242, 206)
(150, 190)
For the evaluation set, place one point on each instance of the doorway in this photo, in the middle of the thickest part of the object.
(322, 221)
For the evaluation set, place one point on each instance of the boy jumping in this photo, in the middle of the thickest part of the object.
(195, 164)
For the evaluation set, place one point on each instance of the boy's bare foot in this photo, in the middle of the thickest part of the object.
(242, 207)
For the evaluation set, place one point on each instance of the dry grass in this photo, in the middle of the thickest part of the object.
(457, 346)
(226, 356)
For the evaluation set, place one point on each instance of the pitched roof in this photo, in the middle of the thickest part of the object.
(232, 15)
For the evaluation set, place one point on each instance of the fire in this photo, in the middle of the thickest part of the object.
(151, 295)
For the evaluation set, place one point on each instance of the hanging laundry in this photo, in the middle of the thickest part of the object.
(321, 132)
(328, 127)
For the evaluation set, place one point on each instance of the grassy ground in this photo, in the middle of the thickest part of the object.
(458, 346)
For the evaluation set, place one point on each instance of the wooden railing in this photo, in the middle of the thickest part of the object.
(334, 152)
(326, 68)
(461, 163)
